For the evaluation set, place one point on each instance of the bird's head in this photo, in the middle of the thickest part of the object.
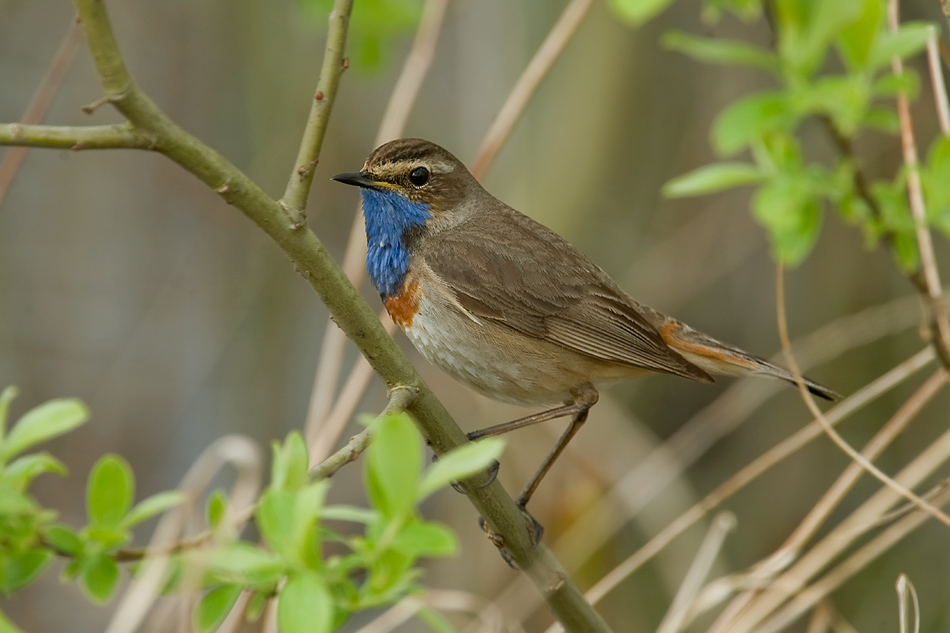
(412, 177)
(410, 187)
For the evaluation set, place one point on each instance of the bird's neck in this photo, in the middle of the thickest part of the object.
(390, 220)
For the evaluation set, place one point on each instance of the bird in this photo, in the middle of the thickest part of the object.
(508, 307)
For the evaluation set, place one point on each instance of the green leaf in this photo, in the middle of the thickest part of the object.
(152, 506)
(21, 471)
(214, 607)
(460, 463)
(856, 39)
(425, 539)
(392, 465)
(110, 491)
(748, 119)
(844, 98)
(806, 28)
(217, 508)
(243, 560)
(719, 51)
(349, 513)
(275, 519)
(62, 538)
(21, 568)
(909, 39)
(711, 178)
(42, 423)
(883, 119)
(305, 605)
(289, 469)
(637, 12)
(789, 210)
(890, 85)
(308, 507)
(255, 606)
(6, 626)
(6, 397)
(935, 176)
(99, 578)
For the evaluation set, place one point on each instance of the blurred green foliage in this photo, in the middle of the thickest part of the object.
(792, 191)
(317, 592)
(374, 24)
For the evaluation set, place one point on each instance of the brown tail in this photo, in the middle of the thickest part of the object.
(716, 357)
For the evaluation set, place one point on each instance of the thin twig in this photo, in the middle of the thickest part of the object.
(829, 430)
(40, 103)
(145, 589)
(928, 261)
(792, 546)
(519, 96)
(117, 136)
(414, 71)
(301, 177)
(676, 616)
(808, 597)
(936, 78)
(792, 583)
(755, 469)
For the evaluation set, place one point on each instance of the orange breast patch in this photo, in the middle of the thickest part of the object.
(402, 307)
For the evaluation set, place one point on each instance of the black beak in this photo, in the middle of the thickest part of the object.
(360, 179)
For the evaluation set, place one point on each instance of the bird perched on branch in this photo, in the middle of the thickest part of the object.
(508, 307)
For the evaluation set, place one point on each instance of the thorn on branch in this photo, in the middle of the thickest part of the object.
(346, 64)
(92, 107)
(318, 96)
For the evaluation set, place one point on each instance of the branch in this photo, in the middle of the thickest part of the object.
(118, 136)
(511, 529)
(298, 188)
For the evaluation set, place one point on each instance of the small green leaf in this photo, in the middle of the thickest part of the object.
(392, 465)
(637, 12)
(711, 178)
(909, 39)
(99, 578)
(62, 538)
(42, 423)
(245, 561)
(748, 119)
(214, 607)
(110, 491)
(217, 508)
(460, 463)
(21, 471)
(435, 620)
(255, 606)
(152, 506)
(6, 397)
(6, 626)
(289, 469)
(890, 85)
(349, 513)
(883, 119)
(790, 211)
(719, 51)
(21, 568)
(305, 605)
(856, 39)
(425, 539)
(275, 518)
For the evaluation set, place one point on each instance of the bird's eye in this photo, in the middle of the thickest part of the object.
(419, 176)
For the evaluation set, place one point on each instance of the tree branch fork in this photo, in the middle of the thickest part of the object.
(148, 127)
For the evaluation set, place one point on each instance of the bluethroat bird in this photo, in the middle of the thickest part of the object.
(508, 307)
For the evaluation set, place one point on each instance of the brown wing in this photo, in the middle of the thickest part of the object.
(520, 274)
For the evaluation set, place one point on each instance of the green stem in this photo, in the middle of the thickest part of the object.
(121, 135)
(298, 188)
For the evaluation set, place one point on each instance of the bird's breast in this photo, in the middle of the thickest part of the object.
(404, 305)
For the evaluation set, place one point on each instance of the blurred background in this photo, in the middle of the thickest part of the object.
(127, 283)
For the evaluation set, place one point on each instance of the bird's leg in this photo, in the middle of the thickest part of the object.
(584, 398)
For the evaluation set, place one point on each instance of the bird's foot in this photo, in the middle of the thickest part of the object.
(535, 531)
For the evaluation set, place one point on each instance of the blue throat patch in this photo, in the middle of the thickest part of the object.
(388, 216)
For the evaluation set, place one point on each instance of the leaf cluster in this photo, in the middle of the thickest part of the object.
(832, 61)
